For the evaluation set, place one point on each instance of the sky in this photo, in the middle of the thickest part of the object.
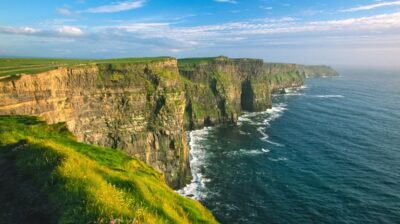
(333, 32)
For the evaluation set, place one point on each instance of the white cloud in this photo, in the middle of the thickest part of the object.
(371, 6)
(117, 7)
(266, 7)
(226, 1)
(64, 11)
(70, 31)
(18, 30)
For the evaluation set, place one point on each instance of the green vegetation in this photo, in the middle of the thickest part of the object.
(286, 78)
(48, 177)
(311, 71)
(13, 66)
(191, 61)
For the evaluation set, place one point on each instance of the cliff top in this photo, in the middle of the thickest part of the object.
(46, 171)
(205, 60)
(14, 66)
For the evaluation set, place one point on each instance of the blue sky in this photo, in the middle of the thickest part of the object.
(359, 32)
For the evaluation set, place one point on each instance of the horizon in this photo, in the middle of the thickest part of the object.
(336, 33)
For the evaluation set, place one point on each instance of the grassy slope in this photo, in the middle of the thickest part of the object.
(48, 177)
(13, 66)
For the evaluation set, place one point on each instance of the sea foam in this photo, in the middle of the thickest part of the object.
(196, 188)
(329, 96)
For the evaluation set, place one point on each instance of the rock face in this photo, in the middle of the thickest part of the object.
(219, 89)
(135, 107)
(144, 108)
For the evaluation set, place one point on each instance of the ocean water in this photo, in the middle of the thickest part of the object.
(328, 152)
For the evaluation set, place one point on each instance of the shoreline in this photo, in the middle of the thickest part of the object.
(196, 188)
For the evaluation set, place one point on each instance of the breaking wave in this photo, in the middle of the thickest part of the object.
(196, 188)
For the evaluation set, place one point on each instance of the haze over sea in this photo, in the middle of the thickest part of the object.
(325, 153)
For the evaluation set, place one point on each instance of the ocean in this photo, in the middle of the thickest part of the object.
(328, 152)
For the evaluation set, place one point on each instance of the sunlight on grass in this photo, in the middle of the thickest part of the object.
(71, 182)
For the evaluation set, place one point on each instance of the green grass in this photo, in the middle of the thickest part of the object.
(13, 66)
(191, 61)
(48, 177)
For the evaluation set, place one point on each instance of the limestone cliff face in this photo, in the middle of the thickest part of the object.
(219, 89)
(135, 107)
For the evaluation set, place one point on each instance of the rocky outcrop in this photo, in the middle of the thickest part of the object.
(144, 107)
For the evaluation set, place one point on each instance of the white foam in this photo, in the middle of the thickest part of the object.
(261, 131)
(265, 138)
(293, 94)
(265, 150)
(248, 152)
(244, 133)
(275, 112)
(278, 159)
(329, 96)
(272, 143)
(242, 119)
(294, 91)
(196, 188)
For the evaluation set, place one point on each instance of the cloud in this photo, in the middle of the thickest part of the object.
(18, 30)
(64, 11)
(371, 6)
(226, 1)
(163, 37)
(62, 31)
(266, 7)
(117, 7)
(69, 31)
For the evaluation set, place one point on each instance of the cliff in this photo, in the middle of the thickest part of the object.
(219, 89)
(145, 106)
(314, 71)
(137, 107)
(46, 176)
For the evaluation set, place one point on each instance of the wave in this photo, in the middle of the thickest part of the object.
(273, 143)
(295, 89)
(265, 138)
(329, 96)
(248, 152)
(265, 150)
(272, 113)
(196, 188)
(244, 133)
(278, 159)
(275, 112)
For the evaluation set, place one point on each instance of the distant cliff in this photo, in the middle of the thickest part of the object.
(145, 107)
(313, 71)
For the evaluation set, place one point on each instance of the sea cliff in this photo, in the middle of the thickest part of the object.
(145, 107)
